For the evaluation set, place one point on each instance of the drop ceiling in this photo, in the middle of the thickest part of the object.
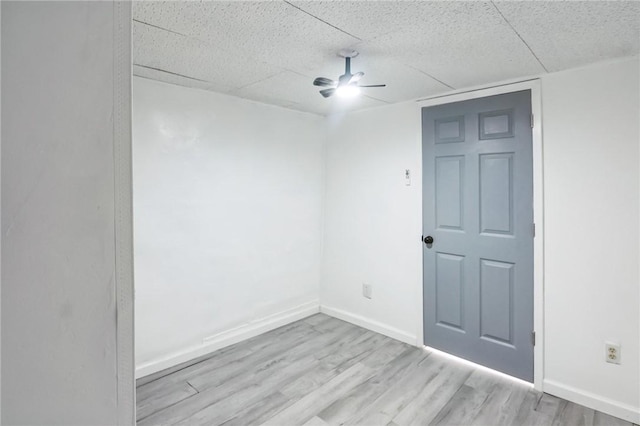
(270, 51)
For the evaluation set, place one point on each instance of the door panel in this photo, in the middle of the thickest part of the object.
(449, 129)
(496, 193)
(449, 290)
(496, 301)
(449, 191)
(478, 207)
(496, 124)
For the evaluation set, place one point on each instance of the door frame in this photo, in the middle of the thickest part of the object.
(538, 208)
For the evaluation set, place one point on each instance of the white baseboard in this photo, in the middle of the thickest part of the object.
(229, 337)
(597, 402)
(370, 324)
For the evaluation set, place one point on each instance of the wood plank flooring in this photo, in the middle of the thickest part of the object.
(322, 371)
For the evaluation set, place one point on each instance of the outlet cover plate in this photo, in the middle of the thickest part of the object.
(612, 353)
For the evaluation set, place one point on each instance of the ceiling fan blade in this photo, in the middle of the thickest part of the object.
(323, 81)
(375, 85)
(356, 77)
(327, 92)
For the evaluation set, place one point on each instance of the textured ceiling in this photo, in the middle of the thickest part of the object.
(270, 51)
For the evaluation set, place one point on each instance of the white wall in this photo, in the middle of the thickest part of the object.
(227, 219)
(59, 355)
(591, 141)
(591, 181)
(372, 219)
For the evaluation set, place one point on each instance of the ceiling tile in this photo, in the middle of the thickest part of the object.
(573, 33)
(273, 32)
(461, 44)
(157, 48)
(288, 86)
(368, 19)
(172, 78)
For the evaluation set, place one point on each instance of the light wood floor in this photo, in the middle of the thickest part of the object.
(323, 371)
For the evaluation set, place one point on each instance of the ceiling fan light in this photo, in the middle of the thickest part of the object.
(348, 91)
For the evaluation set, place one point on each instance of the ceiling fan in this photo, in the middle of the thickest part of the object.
(347, 84)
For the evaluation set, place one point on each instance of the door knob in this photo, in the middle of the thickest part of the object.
(428, 239)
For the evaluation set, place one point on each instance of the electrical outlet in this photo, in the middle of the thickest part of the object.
(366, 290)
(612, 353)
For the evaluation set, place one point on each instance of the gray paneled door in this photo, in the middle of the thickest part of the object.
(478, 209)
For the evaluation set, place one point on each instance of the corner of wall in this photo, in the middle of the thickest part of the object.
(323, 215)
(229, 337)
(369, 324)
